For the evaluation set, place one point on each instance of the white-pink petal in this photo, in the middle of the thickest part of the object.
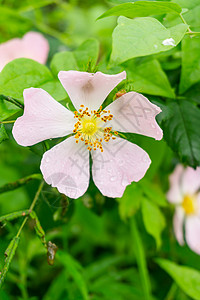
(33, 45)
(134, 113)
(175, 194)
(66, 167)
(191, 181)
(87, 88)
(192, 233)
(117, 166)
(178, 222)
(43, 118)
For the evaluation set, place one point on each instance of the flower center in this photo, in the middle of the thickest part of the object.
(90, 127)
(189, 204)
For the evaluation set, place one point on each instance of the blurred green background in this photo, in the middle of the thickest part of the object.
(107, 247)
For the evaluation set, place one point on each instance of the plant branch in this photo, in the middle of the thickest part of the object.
(31, 207)
(18, 183)
(12, 100)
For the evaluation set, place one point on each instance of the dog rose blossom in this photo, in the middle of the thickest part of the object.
(185, 193)
(116, 162)
(33, 45)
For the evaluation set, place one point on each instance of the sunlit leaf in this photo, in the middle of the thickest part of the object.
(187, 279)
(143, 36)
(142, 9)
(154, 220)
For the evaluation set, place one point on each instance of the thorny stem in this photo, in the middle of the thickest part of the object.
(31, 207)
(12, 100)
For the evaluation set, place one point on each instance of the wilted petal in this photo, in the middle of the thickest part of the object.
(87, 88)
(192, 233)
(33, 45)
(43, 118)
(66, 167)
(191, 180)
(178, 222)
(174, 194)
(134, 113)
(118, 165)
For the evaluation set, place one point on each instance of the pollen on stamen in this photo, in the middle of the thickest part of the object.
(89, 128)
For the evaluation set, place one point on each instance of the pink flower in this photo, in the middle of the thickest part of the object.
(116, 162)
(33, 45)
(184, 192)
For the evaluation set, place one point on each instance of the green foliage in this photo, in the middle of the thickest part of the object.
(130, 202)
(142, 9)
(74, 270)
(187, 278)
(3, 134)
(82, 58)
(181, 132)
(152, 216)
(190, 73)
(143, 36)
(106, 247)
(148, 77)
(9, 253)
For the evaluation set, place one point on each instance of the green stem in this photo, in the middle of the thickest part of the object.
(193, 33)
(172, 292)
(141, 260)
(184, 21)
(12, 100)
(7, 122)
(18, 183)
(31, 207)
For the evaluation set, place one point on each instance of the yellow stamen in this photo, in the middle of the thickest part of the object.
(90, 127)
(189, 205)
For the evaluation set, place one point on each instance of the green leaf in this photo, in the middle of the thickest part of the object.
(63, 61)
(82, 58)
(74, 269)
(87, 54)
(141, 260)
(190, 72)
(154, 220)
(142, 9)
(24, 73)
(130, 202)
(180, 121)
(3, 134)
(9, 253)
(143, 36)
(187, 279)
(153, 192)
(149, 78)
(193, 94)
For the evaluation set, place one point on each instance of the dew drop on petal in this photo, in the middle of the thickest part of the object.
(113, 178)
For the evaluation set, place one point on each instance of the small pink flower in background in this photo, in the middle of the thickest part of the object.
(115, 162)
(185, 193)
(33, 45)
